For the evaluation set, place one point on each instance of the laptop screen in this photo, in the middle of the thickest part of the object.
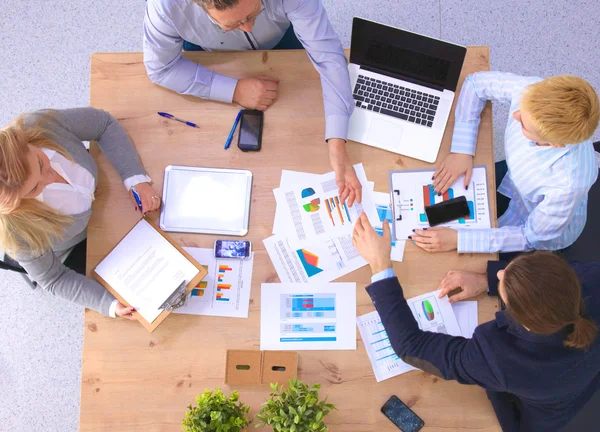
(405, 55)
(406, 62)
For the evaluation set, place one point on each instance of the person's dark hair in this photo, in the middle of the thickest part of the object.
(217, 4)
(542, 293)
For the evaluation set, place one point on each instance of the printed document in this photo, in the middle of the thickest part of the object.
(319, 316)
(145, 269)
(317, 261)
(466, 315)
(412, 191)
(384, 212)
(313, 209)
(432, 314)
(225, 291)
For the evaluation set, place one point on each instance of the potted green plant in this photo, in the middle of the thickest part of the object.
(296, 409)
(215, 412)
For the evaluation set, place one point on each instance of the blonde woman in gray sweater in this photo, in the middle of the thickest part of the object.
(47, 184)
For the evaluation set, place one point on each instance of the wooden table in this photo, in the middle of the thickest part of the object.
(136, 381)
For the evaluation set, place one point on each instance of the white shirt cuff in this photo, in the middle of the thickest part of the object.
(112, 310)
(136, 179)
(222, 88)
(384, 274)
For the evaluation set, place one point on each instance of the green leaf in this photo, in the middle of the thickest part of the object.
(215, 412)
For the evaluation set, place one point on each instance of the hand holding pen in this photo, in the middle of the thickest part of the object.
(145, 198)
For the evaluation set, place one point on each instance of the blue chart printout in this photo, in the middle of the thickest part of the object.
(308, 307)
(295, 316)
(432, 314)
(386, 363)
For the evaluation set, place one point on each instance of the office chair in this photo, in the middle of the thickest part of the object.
(587, 248)
(75, 260)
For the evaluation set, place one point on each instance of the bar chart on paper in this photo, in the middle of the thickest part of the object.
(385, 362)
(384, 212)
(319, 316)
(223, 288)
(225, 291)
(413, 191)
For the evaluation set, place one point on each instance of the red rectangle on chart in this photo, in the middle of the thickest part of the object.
(426, 196)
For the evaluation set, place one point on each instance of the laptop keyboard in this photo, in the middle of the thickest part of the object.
(396, 101)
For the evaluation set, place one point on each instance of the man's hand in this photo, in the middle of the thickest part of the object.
(472, 284)
(345, 176)
(436, 239)
(375, 249)
(256, 93)
(124, 311)
(455, 165)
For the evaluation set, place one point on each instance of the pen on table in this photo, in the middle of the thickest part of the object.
(235, 123)
(172, 117)
(137, 200)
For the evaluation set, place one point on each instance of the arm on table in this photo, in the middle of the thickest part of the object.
(90, 124)
(450, 357)
(166, 66)
(477, 89)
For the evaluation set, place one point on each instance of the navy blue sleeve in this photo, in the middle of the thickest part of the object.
(494, 267)
(469, 361)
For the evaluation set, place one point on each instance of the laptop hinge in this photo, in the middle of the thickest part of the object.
(403, 78)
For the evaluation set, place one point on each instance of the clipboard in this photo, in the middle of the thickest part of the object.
(202, 272)
(407, 204)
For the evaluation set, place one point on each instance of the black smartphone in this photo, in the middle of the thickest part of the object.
(238, 249)
(401, 415)
(447, 211)
(250, 136)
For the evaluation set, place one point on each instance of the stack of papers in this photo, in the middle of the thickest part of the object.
(431, 313)
(312, 239)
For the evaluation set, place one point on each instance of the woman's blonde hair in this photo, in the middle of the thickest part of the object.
(26, 225)
(564, 109)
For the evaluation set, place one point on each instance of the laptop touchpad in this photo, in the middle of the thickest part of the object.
(384, 133)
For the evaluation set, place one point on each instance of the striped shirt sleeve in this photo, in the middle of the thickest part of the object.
(544, 229)
(477, 89)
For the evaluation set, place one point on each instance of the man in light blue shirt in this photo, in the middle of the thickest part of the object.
(233, 25)
(550, 161)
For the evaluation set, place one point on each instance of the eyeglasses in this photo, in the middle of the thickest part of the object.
(250, 18)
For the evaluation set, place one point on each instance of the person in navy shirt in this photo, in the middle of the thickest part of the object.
(538, 360)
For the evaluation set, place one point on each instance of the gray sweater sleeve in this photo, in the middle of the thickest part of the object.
(71, 127)
(50, 274)
(90, 124)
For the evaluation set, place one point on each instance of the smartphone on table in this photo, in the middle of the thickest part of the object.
(250, 136)
(236, 249)
(447, 211)
(401, 415)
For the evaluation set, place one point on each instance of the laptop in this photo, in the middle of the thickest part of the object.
(403, 86)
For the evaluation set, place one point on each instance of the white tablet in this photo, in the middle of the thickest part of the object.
(206, 200)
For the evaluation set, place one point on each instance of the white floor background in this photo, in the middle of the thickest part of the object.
(45, 48)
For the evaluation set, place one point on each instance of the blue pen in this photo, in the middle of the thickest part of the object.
(137, 200)
(235, 123)
(172, 117)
